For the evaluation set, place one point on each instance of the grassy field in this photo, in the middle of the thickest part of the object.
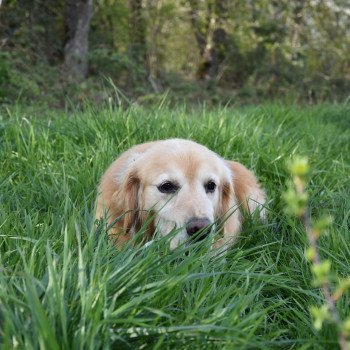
(62, 286)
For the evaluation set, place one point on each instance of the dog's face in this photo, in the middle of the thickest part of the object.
(185, 184)
(180, 185)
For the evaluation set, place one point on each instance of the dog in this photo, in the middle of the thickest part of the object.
(177, 184)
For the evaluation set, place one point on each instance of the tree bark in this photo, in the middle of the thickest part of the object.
(210, 37)
(78, 14)
(138, 46)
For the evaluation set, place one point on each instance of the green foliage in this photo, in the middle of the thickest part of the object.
(320, 315)
(295, 202)
(298, 167)
(295, 51)
(4, 76)
(12, 85)
(63, 285)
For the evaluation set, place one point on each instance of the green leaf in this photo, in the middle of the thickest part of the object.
(295, 202)
(320, 315)
(298, 166)
(321, 272)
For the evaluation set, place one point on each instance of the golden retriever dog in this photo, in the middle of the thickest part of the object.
(180, 185)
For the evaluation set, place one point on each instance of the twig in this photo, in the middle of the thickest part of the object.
(316, 260)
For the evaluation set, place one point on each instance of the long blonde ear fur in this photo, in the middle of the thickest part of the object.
(245, 194)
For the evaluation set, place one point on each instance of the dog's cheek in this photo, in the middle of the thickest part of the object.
(151, 199)
(164, 227)
(179, 239)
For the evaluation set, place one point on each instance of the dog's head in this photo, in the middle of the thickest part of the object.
(184, 184)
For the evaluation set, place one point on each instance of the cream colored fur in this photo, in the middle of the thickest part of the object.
(130, 187)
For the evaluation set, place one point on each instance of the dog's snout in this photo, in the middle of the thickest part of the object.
(195, 225)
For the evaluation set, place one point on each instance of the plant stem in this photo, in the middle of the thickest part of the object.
(316, 260)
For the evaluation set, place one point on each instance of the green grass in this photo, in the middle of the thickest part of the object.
(63, 286)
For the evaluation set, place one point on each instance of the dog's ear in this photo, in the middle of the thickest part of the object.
(228, 215)
(247, 190)
(226, 200)
(243, 191)
(129, 200)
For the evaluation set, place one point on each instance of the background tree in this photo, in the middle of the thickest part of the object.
(77, 15)
(247, 50)
(138, 44)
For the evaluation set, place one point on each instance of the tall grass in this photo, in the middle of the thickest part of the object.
(63, 286)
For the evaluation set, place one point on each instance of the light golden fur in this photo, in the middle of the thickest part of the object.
(129, 186)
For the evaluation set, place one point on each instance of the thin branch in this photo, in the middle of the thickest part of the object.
(316, 260)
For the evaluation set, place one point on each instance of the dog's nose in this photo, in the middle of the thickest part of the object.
(195, 225)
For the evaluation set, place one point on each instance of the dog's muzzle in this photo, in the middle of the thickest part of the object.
(198, 228)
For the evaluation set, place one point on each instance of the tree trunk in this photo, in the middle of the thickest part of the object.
(78, 14)
(298, 19)
(210, 37)
(138, 48)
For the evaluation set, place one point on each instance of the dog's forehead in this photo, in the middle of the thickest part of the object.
(182, 159)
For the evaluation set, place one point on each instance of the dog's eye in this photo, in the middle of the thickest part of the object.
(210, 186)
(168, 187)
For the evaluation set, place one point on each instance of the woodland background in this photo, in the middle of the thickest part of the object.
(54, 51)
